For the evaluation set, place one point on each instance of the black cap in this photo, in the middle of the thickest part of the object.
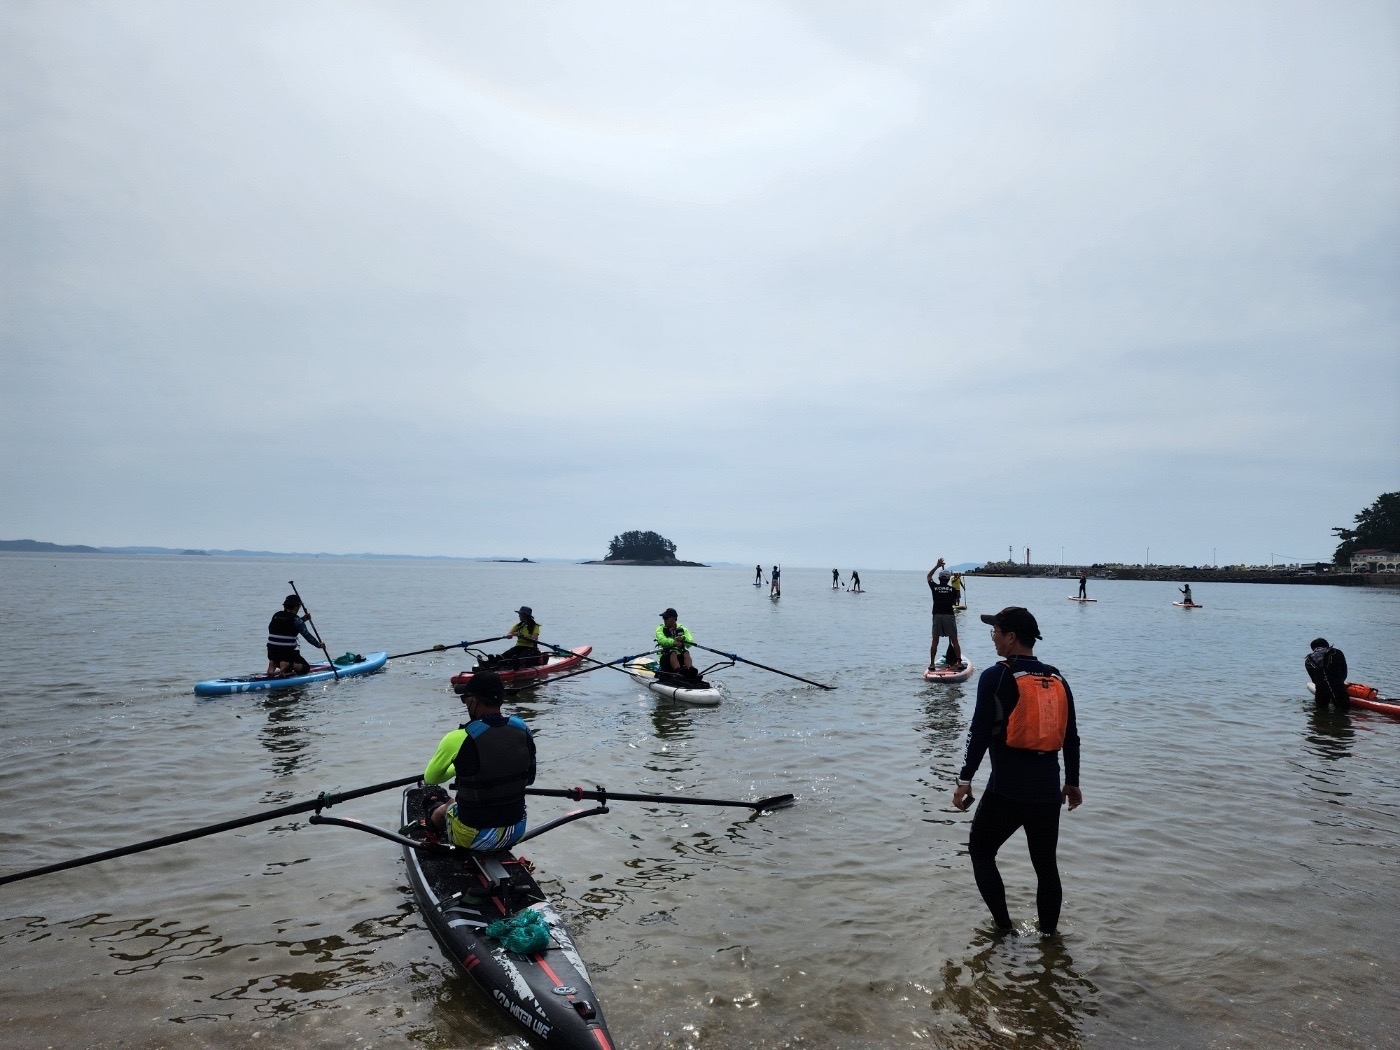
(669, 614)
(291, 602)
(1015, 620)
(1320, 643)
(487, 686)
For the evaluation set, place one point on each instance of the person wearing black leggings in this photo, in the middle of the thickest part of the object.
(1025, 718)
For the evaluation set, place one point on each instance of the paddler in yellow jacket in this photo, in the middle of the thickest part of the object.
(526, 651)
(672, 639)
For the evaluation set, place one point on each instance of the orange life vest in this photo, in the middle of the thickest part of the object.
(1041, 715)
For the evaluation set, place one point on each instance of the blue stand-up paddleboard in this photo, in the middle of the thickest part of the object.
(352, 665)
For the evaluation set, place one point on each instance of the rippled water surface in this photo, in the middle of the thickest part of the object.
(1230, 880)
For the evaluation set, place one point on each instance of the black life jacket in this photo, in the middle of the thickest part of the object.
(504, 756)
(283, 629)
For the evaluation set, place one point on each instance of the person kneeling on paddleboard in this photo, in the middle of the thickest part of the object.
(672, 639)
(493, 760)
(1327, 667)
(283, 656)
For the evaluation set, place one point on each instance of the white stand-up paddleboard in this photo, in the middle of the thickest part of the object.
(1076, 598)
(944, 673)
(1188, 605)
(702, 694)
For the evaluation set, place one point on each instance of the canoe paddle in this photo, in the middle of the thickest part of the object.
(454, 645)
(318, 803)
(334, 670)
(602, 794)
(755, 663)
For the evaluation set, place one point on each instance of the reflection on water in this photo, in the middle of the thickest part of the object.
(672, 719)
(1017, 991)
(286, 735)
(1330, 734)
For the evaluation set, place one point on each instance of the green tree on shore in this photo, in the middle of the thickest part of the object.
(641, 546)
(1378, 526)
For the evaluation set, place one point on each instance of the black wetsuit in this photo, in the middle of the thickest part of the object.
(1327, 667)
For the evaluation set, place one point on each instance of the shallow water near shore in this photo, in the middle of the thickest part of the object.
(1229, 880)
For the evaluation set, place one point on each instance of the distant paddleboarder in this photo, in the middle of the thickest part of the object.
(1186, 595)
(776, 588)
(957, 584)
(757, 575)
(1083, 586)
(835, 579)
(855, 581)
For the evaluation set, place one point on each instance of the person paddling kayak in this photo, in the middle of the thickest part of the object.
(526, 650)
(283, 630)
(674, 641)
(492, 758)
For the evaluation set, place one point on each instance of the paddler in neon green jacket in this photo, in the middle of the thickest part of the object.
(672, 638)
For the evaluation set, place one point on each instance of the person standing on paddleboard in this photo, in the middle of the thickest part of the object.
(283, 656)
(757, 575)
(492, 758)
(776, 587)
(673, 640)
(855, 580)
(835, 579)
(1186, 595)
(945, 621)
(1327, 667)
(1025, 717)
(1083, 586)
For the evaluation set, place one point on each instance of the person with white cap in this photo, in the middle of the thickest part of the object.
(945, 620)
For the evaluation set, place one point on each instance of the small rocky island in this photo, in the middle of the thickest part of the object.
(642, 548)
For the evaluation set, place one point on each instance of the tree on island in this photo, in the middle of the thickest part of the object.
(1378, 526)
(641, 546)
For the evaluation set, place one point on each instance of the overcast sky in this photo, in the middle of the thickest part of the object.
(820, 283)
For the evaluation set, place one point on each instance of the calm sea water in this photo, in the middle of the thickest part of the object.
(1230, 880)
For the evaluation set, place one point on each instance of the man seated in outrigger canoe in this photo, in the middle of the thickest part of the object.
(493, 760)
(283, 656)
(673, 639)
(526, 651)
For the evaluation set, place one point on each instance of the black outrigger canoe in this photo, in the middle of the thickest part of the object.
(461, 892)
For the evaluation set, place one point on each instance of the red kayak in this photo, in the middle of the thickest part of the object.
(554, 665)
(1369, 697)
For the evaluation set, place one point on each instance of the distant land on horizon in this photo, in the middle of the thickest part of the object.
(44, 547)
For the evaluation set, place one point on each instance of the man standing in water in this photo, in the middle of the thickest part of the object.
(945, 621)
(1025, 716)
(1327, 667)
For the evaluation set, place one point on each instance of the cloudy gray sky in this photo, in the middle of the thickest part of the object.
(820, 283)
